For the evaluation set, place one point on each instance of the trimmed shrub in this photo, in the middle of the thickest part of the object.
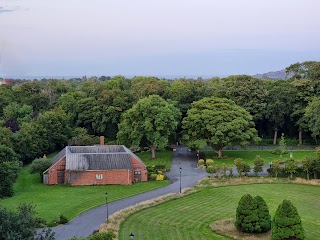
(253, 215)
(209, 162)
(160, 177)
(63, 219)
(247, 215)
(263, 214)
(211, 169)
(153, 176)
(200, 162)
(39, 165)
(287, 223)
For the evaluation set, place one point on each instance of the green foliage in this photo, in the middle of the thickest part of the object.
(109, 235)
(56, 128)
(80, 137)
(311, 116)
(308, 165)
(249, 93)
(153, 176)
(287, 223)
(291, 167)
(63, 219)
(209, 162)
(18, 224)
(258, 164)
(39, 165)
(149, 122)
(252, 215)
(282, 147)
(211, 169)
(241, 166)
(277, 168)
(263, 214)
(218, 122)
(8, 175)
(7, 154)
(200, 162)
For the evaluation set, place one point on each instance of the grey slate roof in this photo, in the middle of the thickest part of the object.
(96, 149)
(99, 157)
(82, 162)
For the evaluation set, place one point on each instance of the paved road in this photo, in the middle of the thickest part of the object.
(84, 224)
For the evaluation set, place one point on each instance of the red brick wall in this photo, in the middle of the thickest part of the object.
(136, 164)
(122, 177)
(60, 165)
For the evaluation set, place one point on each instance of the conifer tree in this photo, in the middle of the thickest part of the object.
(287, 223)
(247, 215)
(263, 214)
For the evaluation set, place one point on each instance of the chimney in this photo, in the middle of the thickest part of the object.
(101, 140)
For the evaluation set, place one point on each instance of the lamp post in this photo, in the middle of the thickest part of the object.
(180, 179)
(131, 236)
(270, 162)
(198, 155)
(107, 206)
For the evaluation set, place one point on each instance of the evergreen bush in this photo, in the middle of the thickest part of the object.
(253, 215)
(263, 214)
(287, 223)
(247, 215)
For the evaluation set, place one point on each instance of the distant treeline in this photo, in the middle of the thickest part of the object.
(39, 117)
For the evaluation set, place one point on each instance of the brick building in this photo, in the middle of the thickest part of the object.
(4, 81)
(95, 165)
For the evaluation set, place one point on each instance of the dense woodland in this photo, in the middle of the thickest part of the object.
(40, 117)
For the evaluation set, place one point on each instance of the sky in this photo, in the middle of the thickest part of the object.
(156, 37)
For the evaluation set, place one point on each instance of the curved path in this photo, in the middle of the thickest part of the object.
(89, 221)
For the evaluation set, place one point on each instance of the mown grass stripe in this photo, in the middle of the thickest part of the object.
(190, 217)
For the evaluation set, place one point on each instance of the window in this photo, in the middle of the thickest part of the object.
(137, 172)
(99, 176)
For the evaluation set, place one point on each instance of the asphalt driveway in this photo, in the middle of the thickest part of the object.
(89, 221)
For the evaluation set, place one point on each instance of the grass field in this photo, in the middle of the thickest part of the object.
(249, 156)
(51, 201)
(163, 157)
(190, 217)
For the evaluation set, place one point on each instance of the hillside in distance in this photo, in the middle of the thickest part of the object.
(272, 75)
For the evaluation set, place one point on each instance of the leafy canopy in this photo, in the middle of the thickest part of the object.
(149, 122)
(218, 122)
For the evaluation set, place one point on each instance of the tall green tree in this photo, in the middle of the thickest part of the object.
(218, 122)
(287, 223)
(311, 116)
(149, 122)
(281, 96)
(57, 129)
(249, 93)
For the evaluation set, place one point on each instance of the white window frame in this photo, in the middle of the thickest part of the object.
(99, 176)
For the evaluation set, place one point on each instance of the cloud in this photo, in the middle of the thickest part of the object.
(6, 10)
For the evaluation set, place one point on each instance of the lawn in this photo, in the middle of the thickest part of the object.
(249, 156)
(51, 201)
(190, 217)
(163, 157)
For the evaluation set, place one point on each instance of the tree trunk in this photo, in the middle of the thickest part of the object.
(275, 136)
(219, 152)
(308, 175)
(300, 136)
(153, 151)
